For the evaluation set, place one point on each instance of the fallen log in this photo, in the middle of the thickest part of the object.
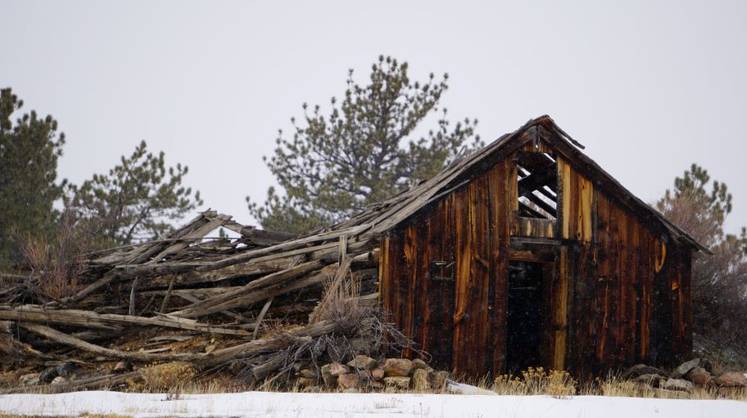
(71, 341)
(253, 297)
(252, 256)
(266, 281)
(106, 381)
(90, 319)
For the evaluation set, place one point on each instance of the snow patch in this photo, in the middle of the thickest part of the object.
(277, 404)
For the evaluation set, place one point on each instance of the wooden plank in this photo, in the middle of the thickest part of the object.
(633, 265)
(481, 277)
(531, 256)
(564, 171)
(474, 283)
(463, 264)
(422, 286)
(448, 289)
(604, 279)
(647, 278)
(512, 187)
(384, 284)
(499, 212)
(617, 230)
(409, 282)
(434, 321)
(635, 262)
(395, 256)
(686, 278)
(585, 191)
(678, 308)
(583, 314)
(535, 227)
(560, 311)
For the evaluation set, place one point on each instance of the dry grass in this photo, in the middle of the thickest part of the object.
(176, 381)
(167, 376)
(536, 381)
(56, 263)
(340, 296)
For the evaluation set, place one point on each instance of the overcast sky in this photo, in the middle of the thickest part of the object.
(648, 87)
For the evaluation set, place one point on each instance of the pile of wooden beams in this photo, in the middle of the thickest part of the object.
(244, 295)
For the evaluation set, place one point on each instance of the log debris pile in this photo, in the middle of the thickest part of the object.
(260, 306)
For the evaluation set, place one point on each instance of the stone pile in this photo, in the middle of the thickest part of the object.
(364, 373)
(687, 376)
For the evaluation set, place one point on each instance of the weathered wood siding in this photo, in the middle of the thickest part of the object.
(454, 310)
(618, 293)
(624, 309)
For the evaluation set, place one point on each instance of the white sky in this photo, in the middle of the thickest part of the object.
(648, 87)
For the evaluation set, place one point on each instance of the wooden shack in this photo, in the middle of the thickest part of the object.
(527, 253)
(523, 253)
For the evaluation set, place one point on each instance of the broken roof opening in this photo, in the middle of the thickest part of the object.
(537, 176)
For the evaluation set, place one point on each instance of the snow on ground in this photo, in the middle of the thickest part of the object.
(274, 404)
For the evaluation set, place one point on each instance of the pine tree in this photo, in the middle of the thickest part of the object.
(136, 200)
(367, 148)
(30, 147)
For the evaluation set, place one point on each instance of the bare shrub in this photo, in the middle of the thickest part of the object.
(340, 296)
(56, 263)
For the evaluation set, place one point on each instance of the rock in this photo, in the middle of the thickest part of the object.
(306, 382)
(438, 380)
(397, 367)
(731, 380)
(308, 373)
(396, 383)
(420, 381)
(650, 379)
(29, 379)
(699, 376)
(681, 385)
(419, 364)
(361, 362)
(685, 367)
(59, 380)
(337, 369)
(641, 369)
(47, 375)
(348, 381)
(123, 366)
(67, 369)
(377, 373)
(707, 365)
(327, 377)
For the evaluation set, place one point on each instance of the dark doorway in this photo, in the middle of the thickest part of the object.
(525, 310)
